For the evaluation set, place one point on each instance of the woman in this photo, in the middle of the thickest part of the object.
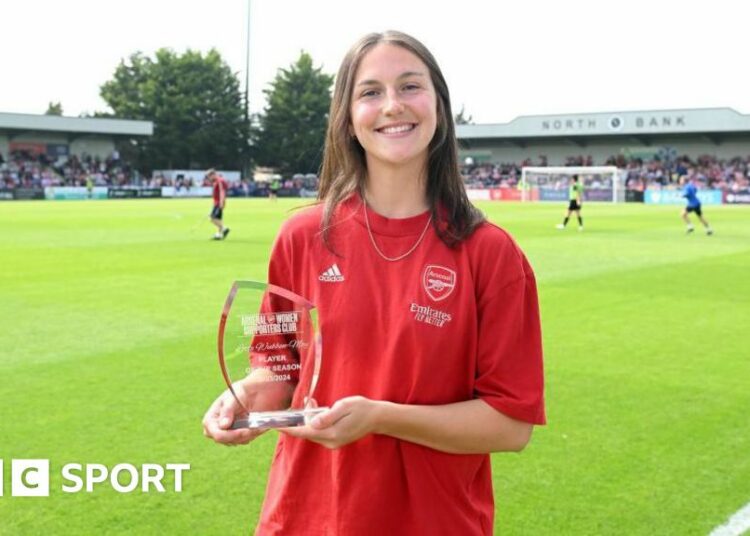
(432, 344)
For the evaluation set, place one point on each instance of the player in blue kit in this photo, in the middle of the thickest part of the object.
(690, 192)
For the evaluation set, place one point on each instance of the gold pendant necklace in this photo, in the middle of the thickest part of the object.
(394, 259)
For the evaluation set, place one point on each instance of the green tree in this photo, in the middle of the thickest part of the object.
(195, 103)
(293, 123)
(54, 108)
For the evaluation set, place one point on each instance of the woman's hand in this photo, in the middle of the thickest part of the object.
(223, 412)
(468, 427)
(348, 420)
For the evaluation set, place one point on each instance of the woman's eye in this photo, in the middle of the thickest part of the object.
(411, 87)
(369, 93)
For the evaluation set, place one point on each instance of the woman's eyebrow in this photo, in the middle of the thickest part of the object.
(406, 74)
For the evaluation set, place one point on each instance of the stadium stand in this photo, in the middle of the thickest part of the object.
(709, 171)
(27, 169)
(42, 151)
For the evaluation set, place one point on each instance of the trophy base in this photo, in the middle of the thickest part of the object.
(263, 420)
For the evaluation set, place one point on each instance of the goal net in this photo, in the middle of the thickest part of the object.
(600, 183)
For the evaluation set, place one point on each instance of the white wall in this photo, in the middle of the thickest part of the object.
(92, 146)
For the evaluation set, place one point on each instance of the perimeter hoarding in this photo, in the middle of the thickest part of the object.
(75, 192)
(674, 197)
(740, 197)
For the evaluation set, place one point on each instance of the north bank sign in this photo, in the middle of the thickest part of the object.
(703, 120)
(614, 123)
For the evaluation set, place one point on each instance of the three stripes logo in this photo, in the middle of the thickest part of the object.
(331, 275)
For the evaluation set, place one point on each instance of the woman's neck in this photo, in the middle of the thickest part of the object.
(396, 192)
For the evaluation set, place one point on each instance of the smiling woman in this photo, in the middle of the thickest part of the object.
(432, 352)
(393, 112)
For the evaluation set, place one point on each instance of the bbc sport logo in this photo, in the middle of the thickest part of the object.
(30, 477)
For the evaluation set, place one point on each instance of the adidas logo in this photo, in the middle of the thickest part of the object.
(332, 275)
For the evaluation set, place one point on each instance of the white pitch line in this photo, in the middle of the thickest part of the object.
(738, 524)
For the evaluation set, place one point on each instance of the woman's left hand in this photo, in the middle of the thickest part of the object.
(348, 420)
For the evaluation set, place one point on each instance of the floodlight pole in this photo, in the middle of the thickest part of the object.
(247, 67)
(247, 95)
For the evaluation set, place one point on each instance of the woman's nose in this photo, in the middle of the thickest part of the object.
(393, 104)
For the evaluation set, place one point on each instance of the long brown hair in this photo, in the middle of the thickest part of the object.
(344, 167)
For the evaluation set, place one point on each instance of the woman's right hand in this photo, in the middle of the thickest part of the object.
(218, 419)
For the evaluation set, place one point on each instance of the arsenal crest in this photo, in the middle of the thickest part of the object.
(438, 281)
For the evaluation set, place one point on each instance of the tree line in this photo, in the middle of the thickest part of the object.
(200, 119)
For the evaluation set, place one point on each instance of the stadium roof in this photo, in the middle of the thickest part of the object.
(12, 124)
(713, 123)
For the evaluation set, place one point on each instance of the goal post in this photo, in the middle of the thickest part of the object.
(550, 183)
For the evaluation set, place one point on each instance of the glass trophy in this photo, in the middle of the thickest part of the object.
(269, 353)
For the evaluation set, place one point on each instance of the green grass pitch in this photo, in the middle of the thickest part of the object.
(108, 318)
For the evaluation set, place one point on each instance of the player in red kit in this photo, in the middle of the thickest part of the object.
(432, 354)
(219, 185)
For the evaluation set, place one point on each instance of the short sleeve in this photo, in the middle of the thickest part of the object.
(281, 261)
(510, 375)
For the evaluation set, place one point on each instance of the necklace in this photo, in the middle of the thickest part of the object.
(394, 259)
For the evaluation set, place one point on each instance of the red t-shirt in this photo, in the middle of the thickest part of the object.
(440, 326)
(219, 189)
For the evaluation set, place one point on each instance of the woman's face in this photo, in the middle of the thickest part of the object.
(393, 107)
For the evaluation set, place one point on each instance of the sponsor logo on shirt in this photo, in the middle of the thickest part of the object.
(428, 315)
(438, 281)
(331, 275)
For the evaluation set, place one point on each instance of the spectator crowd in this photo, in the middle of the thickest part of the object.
(32, 170)
(709, 171)
(29, 170)
(26, 169)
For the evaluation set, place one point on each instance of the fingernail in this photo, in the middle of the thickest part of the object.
(225, 422)
(316, 422)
